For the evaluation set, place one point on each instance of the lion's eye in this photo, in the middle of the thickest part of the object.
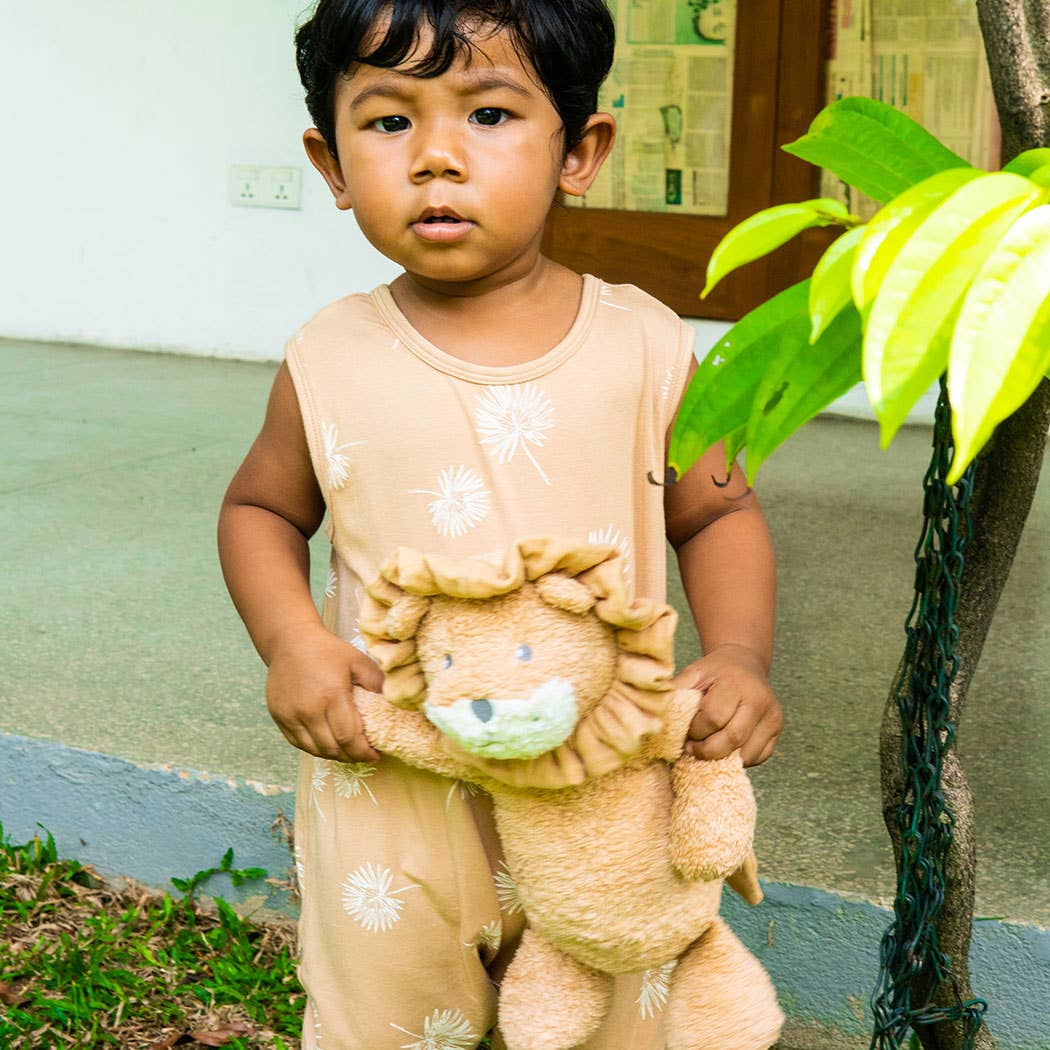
(446, 661)
(523, 653)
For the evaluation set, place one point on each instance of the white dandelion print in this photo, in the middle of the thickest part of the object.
(461, 503)
(665, 386)
(656, 984)
(350, 779)
(335, 456)
(368, 899)
(317, 1027)
(318, 782)
(607, 293)
(507, 891)
(465, 789)
(489, 936)
(443, 1030)
(514, 417)
(300, 867)
(611, 536)
(357, 640)
(330, 582)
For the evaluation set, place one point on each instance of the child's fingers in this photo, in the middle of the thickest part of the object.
(725, 723)
(315, 738)
(765, 753)
(325, 734)
(753, 729)
(347, 733)
(716, 711)
(763, 739)
(723, 742)
(365, 673)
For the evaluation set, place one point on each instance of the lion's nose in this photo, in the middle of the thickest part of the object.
(482, 709)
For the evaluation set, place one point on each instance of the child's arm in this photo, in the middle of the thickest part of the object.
(725, 557)
(271, 509)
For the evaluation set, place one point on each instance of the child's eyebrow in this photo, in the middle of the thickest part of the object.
(390, 88)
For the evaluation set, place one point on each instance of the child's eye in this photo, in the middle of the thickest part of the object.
(523, 653)
(490, 116)
(384, 124)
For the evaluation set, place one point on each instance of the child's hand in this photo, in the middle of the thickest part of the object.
(309, 693)
(738, 709)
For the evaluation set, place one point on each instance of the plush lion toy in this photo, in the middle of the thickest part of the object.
(539, 679)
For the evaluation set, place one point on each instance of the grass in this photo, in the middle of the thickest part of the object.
(86, 964)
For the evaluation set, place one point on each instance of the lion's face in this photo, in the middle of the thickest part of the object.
(540, 666)
(511, 677)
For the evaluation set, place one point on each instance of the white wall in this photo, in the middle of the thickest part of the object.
(117, 228)
(120, 124)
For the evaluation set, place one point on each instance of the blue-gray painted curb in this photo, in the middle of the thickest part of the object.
(151, 823)
(822, 952)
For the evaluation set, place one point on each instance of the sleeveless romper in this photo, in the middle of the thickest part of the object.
(407, 915)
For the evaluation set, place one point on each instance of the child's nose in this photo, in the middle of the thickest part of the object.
(440, 155)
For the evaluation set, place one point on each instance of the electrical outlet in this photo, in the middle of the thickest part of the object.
(245, 186)
(261, 187)
(280, 187)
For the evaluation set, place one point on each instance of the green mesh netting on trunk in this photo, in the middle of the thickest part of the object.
(909, 946)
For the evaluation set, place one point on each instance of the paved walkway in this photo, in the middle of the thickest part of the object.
(119, 637)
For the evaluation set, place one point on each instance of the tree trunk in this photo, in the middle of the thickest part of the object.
(1004, 486)
(1017, 42)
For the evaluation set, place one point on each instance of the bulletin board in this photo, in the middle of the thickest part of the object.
(704, 92)
(925, 59)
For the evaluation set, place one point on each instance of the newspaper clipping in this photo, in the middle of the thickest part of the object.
(671, 90)
(925, 58)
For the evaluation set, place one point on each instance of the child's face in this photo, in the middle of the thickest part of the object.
(482, 140)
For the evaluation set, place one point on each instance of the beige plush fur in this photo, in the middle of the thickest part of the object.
(617, 841)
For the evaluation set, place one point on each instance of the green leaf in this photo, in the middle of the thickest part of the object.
(1029, 161)
(769, 229)
(829, 290)
(719, 396)
(239, 875)
(1041, 177)
(873, 147)
(1001, 347)
(802, 382)
(905, 338)
(892, 226)
(734, 442)
(230, 919)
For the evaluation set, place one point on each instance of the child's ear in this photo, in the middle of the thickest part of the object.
(585, 160)
(329, 167)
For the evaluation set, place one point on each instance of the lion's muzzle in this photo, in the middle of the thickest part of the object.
(510, 728)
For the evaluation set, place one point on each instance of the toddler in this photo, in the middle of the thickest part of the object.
(484, 395)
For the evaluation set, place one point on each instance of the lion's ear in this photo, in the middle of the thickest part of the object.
(564, 592)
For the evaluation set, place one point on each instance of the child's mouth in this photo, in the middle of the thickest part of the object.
(442, 228)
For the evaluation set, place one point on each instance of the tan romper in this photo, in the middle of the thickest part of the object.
(405, 905)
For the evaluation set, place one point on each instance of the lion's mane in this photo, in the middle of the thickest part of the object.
(633, 710)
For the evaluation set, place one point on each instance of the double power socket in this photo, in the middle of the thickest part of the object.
(252, 186)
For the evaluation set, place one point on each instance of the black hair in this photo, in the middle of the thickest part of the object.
(568, 42)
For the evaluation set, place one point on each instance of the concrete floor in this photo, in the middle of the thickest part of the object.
(119, 636)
